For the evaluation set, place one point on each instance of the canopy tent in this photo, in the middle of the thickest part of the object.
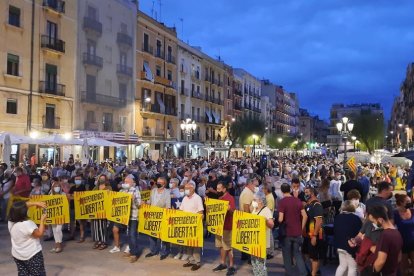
(57, 139)
(99, 142)
(17, 139)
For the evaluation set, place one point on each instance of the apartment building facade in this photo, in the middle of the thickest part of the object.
(251, 93)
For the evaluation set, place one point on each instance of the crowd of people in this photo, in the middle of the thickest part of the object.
(311, 205)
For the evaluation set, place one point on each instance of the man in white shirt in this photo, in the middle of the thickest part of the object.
(192, 203)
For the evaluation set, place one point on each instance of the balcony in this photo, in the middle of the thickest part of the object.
(100, 99)
(171, 59)
(92, 60)
(91, 126)
(51, 122)
(124, 40)
(124, 70)
(149, 132)
(238, 92)
(170, 111)
(206, 120)
(150, 108)
(206, 77)
(163, 81)
(159, 54)
(237, 107)
(197, 95)
(147, 49)
(93, 26)
(52, 43)
(56, 6)
(184, 91)
(51, 88)
(195, 77)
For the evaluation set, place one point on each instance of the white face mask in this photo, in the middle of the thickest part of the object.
(255, 204)
(171, 185)
(187, 192)
(169, 174)
(185, 178)
(256, 190)
(33, 184)
(56, 189)
(125, 186)
(182, 194)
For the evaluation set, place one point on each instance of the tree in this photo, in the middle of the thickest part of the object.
(240, 130)
(369, 129)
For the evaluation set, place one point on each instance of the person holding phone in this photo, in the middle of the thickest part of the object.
(25, 238)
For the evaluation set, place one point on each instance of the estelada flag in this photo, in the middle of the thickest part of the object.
(351, 164)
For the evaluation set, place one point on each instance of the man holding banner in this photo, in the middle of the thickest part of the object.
(160, 197)
(224, 241)
(192, 203)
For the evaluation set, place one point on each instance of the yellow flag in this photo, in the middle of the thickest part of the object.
(118, 207)
(352, 164)
(145, 195)
(90, 204)
(182, 228)
(249, 234)
(150, 218)
(57, 209)
(216, 211)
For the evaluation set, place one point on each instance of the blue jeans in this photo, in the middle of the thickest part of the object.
(133, 237)
(291, 248)
(156, 245)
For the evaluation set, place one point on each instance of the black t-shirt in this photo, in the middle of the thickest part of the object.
(313, 210)
(228, 179)
(212, 184)
(75, 188)
(346, 226)
(301, 196)
(350, 185)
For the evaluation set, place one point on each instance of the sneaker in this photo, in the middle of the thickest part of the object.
(133, 259)
(189, 264)
(185, 257)
(115, 249)
(178, 256)
(126, 249)
(231, 271)
(195, 267)
(149, 255)
(53, 250)
(163, 257)
(220, 267)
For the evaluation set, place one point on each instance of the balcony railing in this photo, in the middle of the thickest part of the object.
(93, 60)
(171, 59)
(206, 77)
(159, 54)
(238, 92)
(124, 39)
(51, 122)
(147, 48)
(92, 126)
(123, 69)
(52, 43)
(197, 95)
(52, 88)
(195, 76)
(100, 99)
(213, 122)
(91, 24)
(164, 81)
(170, 111)
(54, 5)
(184, 91)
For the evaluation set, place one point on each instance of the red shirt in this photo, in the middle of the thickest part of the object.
(228, 221)
(291, 207)
(22, 184)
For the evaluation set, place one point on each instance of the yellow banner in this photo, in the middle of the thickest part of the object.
(118, 207)
(145, 195)
(249, 234)
(216, 211)
(90, 204)
(352, 164)
(150, 218)
(13, 199)
(182, 228)
(57, 209)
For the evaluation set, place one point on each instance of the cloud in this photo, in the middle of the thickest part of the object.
(338, 51)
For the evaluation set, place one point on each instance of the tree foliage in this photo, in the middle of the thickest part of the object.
(241, 130)
(369, 130)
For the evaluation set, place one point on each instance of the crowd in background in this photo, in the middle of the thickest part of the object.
(314, 209)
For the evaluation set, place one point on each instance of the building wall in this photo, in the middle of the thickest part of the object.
(17, 41)
(252, 92)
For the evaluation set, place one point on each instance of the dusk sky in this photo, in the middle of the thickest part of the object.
(327, 51)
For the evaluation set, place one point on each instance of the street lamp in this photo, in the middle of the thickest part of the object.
(392, 140)
(345, 127)
(188, 127)
(254, 136)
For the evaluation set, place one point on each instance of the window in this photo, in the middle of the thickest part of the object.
(52, 32)
(123, 92)
(11, 106)
(50, 116)
(158, 48)
(146, 42)
(14, 16)
(108, 85)
(51, 77)
(91, 47)
(169, 49)
(169, 75)
(146, 68)
(108, 54)
(90, 117)
(158, 71)
(12, 65)
(122, 123)
(123, 58)
(107, 122)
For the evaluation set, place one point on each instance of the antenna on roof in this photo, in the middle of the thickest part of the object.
(152, 9)
(160, 3)
(182, 28)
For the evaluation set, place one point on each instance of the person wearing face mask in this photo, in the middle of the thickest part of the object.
(100, 226)
(192, 203)
(187, 177)
(404, 221)
(354, 196)
(259, 208)
(175, 193)
(37, 188)
(226, 177)
(382, 198)
(313, 246)
(388, 249)
(57, 228)
(296, 190)
(78, 187)
(132, 251)
(45, 183)
(160, 197)
(211, 186)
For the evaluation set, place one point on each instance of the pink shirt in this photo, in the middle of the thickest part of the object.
(193, 204)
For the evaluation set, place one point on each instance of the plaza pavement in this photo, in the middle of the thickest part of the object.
(80, 259)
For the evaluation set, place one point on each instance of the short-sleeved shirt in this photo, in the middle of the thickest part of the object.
(267, 214)
(193, 204)
(291, 208)
(23, 183)
(211, 184)
(228, 221)
(314, 210)
(24, 246)
(370, 231)
(377, 200)
(391, 243)
(270, 202)
(246, 197)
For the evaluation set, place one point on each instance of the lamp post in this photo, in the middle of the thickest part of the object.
(407, 130)
(345, 127)
(188, 127)
(254, 136)
(400, 126)
(392, 140)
